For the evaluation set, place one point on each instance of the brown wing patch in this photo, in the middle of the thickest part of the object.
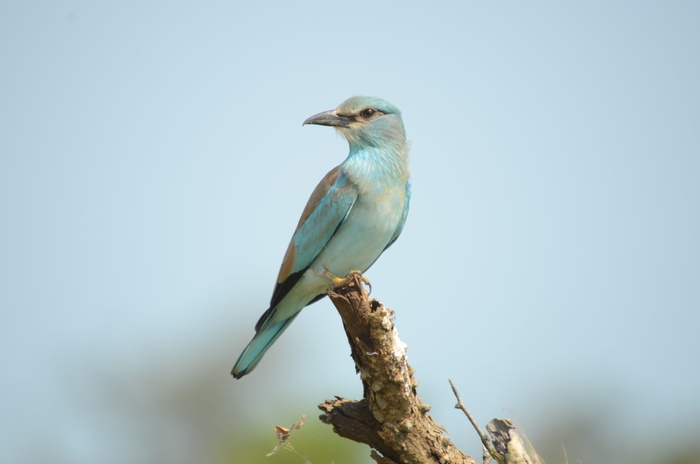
(316, 197)
(287, 262)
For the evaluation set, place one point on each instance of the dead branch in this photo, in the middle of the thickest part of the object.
(390, 418)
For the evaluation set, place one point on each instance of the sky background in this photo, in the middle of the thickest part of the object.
(153, 166)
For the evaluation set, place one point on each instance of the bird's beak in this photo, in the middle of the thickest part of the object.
(329, 118)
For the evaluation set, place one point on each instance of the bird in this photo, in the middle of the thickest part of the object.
(355, 213)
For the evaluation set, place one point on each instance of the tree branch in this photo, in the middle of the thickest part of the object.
(390, 418)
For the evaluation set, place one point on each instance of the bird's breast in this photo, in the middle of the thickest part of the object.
(365, 233)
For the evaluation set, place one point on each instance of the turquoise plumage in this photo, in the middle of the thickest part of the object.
(356, 212)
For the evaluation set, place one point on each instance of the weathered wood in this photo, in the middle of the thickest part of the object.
(390, 418)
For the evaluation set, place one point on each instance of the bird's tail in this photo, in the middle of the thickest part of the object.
(261, 342)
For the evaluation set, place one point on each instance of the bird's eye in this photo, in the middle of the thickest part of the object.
(368, 112)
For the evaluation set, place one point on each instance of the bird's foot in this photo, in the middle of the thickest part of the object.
(338, 281)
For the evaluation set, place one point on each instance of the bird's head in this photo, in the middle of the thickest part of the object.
(365, 122)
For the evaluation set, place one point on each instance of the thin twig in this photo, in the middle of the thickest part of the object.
(486, 456)
(484, 439)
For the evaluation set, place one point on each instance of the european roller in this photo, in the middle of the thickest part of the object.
(355, 213)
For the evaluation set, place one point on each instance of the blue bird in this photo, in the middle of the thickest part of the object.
(355, 213)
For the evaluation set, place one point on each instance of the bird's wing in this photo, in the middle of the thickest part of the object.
(325, 211)
(399, 228)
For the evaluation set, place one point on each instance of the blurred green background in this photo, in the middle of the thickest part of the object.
(153, 166)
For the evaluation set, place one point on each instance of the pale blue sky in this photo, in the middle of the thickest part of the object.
(153, 166)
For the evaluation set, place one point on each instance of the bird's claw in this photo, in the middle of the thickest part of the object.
(364, 279)
(338, 281)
